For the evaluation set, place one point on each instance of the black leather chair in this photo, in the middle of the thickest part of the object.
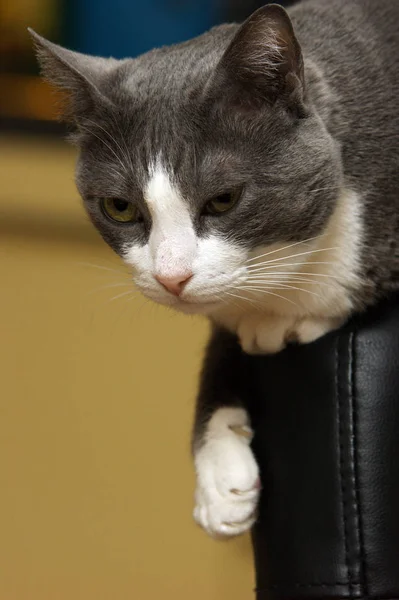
(326, 419)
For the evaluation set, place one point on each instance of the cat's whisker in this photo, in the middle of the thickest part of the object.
(125, 155)
(129, 292)
(230, 301)
(282, 280)
(267, 266)
(316, 237)
(104, 268)
(273, 260)
(281, 286)
(107, 287)
(287, 275)
(294, 274)
(262, 290)
(241, 297)
(105, 144)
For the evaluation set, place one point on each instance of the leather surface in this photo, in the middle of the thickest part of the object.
(326, 419)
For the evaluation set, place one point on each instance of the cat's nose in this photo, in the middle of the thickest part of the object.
(175, 285)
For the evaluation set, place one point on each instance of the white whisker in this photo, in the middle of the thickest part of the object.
(103, 268)
(294, 256)
(294, 273)
(107, 287)
(224, 301)
(131, 292)
(105, 144)
(281, 286)
(126, 153)
(113, 140)
(255, 289)
(292, 265)
(278, 282)
(282, 280)
(286, 247)
(241, 297)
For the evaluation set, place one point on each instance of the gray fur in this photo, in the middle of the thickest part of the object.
(291, 136)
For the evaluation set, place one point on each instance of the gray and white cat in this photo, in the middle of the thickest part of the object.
(250, 175)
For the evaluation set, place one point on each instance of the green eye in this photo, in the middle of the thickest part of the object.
(120, 210)
(223, 203)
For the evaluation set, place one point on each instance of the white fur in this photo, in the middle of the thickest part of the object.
(227, 476)
(327, 268)
(172, 241)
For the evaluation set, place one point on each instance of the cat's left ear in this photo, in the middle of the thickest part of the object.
(80, 76)
(263, 63)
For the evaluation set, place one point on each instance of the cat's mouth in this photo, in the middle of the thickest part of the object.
(186, 304)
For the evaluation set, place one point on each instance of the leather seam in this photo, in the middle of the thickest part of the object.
(317, 586)
(354, 515)
(322, 586)
(356, 466)
(307, 585)
(341, 466)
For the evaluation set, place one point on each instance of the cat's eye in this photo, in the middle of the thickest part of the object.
(120, 210)
(222, 203)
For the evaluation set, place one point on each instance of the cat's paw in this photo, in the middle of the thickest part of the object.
(264, 334)
(268, 334)
(228, 484)
(310, 329)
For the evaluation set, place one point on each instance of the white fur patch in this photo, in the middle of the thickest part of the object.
(172, 240)
(299, 291)
(227, 475)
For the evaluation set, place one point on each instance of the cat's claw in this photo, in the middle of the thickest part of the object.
(228, 486)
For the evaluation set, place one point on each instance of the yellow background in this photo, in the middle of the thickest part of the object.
(96, 403)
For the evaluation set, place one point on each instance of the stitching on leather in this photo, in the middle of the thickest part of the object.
(307, 585)
(356, 466)
(341, 465)
(293, 585)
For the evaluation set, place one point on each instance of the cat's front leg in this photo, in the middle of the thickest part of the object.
(228, 482)
(227, 475)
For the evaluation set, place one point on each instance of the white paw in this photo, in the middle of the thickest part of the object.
(311, 329)
(264, 334)
(268, 334)
(228, 484)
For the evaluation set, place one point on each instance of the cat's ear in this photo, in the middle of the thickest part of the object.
(263, 62)
(78, 75)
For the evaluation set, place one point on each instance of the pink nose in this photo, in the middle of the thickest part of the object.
(175, 284)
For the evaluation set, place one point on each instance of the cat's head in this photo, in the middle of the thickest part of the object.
(196, 158)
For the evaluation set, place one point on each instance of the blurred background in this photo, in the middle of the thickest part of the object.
(97, 385)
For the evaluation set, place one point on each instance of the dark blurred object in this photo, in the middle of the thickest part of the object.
(23, 94)
(239, 10)
(118, 28)
(122, 28)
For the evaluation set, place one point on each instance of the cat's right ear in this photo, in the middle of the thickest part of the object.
(78, 75)
(263, 63)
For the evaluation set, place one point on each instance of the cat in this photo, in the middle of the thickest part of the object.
(250, 175)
